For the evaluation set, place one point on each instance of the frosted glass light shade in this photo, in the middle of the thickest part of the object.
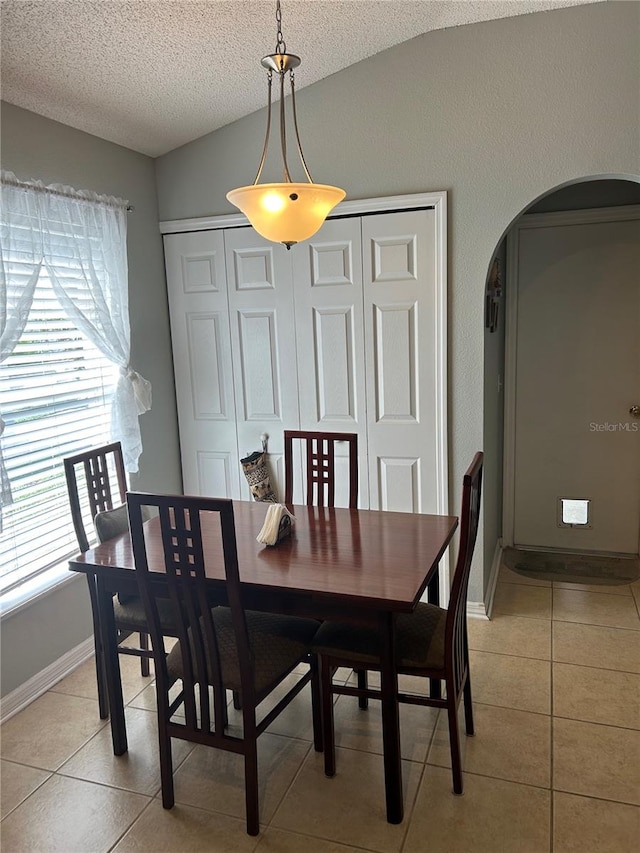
(286, 213)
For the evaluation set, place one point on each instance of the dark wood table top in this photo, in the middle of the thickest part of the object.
(375, 560)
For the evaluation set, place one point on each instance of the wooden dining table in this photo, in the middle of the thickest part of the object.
(352, 565)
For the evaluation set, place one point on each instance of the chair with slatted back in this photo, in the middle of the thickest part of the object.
(226, 648)
(431, 642)
(101, 473)
(319, 454)
(318, 451)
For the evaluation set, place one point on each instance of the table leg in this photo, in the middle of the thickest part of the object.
(390, 720)
(433, 589)
(101, 679)
(112, 668)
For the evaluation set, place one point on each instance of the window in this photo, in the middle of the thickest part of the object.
(56, 390)
(66, 383)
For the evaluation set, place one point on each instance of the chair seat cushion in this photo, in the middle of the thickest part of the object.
(129, 612)
(278, 644)
(419, 640)
(110, 523)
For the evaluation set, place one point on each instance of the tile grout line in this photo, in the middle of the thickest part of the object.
(598, 668)
(600, 799)
(38, 786)
(567, 585)
(481, 775)
(415, 799)
(571, 587)
(304, 760)
(131, 825)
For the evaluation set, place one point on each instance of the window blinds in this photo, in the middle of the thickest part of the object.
(56, 390)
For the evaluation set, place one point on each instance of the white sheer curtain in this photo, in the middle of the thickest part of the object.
(81, 240)
(21, 241)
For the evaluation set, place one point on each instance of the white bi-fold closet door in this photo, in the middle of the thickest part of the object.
(344, 333)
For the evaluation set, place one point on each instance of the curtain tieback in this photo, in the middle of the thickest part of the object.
(141, 388)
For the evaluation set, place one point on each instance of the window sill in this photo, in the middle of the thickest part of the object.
(38, 587)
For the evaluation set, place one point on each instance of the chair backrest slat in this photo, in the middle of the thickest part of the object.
(319, 453)
(456, 625)
(100, 466)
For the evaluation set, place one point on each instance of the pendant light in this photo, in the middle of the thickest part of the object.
(287, 212)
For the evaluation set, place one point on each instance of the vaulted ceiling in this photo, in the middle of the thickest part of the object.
(154, 74)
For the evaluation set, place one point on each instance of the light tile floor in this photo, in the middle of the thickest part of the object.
(554, 766)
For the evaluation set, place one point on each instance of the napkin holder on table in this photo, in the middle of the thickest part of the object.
(277, 525)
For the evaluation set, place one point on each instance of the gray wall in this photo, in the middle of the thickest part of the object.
(36, 147)
(496, 113)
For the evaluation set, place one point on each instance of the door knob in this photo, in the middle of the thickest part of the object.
(635, 411)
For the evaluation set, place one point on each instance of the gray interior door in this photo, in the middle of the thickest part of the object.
(577, 446)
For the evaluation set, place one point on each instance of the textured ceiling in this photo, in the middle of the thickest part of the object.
(154, 74)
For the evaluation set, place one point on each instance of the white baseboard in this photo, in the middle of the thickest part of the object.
(476, 610)
(44, 680)
(482, 609)
(493, 577)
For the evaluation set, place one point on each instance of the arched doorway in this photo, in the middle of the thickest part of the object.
(559, 515)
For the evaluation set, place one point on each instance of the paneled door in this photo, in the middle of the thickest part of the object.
(403, 361)
(263, 348)
(369, 350)
(203, 370)
(327, 276)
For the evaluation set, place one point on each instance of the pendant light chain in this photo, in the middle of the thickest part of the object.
(286, 212)
(281, 50)
(281, 47)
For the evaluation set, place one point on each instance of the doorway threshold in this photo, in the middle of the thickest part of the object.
(572, 568)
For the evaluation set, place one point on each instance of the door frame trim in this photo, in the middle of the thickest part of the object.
(532, 220)
(353, 207)
(437, 201)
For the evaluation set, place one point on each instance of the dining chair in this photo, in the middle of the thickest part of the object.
(318, 449)
(430, 642)
(101, 473)
(223, 647)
